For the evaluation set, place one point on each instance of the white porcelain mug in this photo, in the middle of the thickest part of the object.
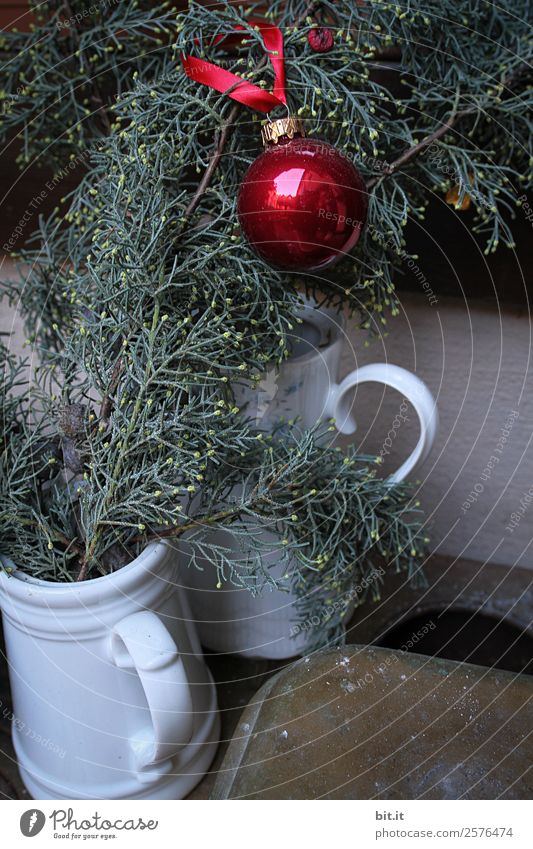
(230, 619)
(111, 697)
(305, 385)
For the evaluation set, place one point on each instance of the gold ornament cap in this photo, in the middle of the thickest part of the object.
(274, 130)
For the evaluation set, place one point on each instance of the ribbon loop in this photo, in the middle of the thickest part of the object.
(234, 86)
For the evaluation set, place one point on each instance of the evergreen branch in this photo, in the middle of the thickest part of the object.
(53, 535)
(257, 495)
(416, 149)
(172, 327)
(179, 530)
(441, 131)
(220, 144)
(107, 404)
(118, 466)
(95, 95)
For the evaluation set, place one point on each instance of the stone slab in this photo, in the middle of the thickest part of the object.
(372, 723)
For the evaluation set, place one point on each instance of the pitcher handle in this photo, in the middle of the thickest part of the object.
(413, 390)
(142, 643)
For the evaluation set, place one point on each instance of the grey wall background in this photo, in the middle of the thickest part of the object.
(477, 363)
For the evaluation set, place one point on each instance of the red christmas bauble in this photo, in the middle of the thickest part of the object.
(320, 39)
(302, 204)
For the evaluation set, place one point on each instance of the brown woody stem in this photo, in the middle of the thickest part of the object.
(416, 149)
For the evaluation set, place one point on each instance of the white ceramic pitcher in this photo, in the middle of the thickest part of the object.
(306, 385)
(111, 697)
(229, 619)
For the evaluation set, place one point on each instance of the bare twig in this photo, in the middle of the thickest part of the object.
(416, 149)
(177, 530)
(95, 94)
(106, 407)
(214, 159)
(82, 574)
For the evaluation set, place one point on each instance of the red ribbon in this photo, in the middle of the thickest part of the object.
(251, 95)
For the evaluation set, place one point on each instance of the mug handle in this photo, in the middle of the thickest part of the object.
(141, 642)
(413, 390)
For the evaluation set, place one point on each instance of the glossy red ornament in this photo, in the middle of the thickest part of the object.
(320, 39)
(302, 204)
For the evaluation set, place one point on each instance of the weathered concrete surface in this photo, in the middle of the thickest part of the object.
(364, 723)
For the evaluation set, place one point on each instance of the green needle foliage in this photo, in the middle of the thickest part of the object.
(61, 78)
(146, 308)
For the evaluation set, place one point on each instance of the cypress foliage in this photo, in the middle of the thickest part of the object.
(145, 308)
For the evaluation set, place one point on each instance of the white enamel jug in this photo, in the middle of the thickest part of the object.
(306, 385)
(111, 697)
(229, 619)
